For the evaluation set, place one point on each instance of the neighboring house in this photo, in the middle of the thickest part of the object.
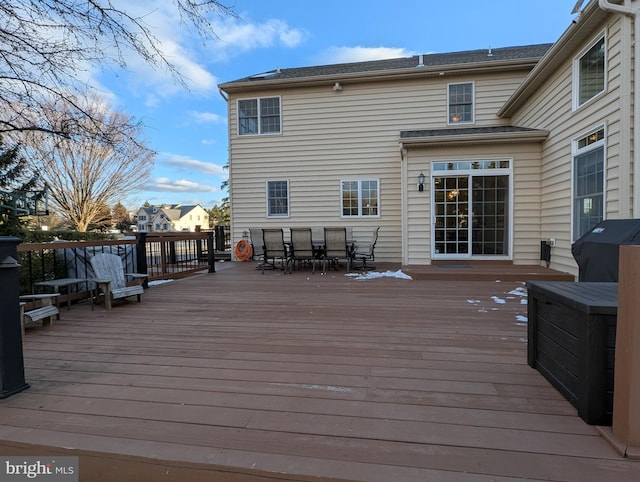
(477, 155)
(172, 217)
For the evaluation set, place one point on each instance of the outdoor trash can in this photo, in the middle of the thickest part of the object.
(571, 342)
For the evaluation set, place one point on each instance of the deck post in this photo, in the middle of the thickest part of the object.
(141, 257)
(11, 357)
(211, 252)
(625, 435)
(220, 237)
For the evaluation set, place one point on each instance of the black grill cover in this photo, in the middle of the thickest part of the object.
(596, 252)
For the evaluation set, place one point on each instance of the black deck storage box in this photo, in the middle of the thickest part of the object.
(596, 252)
(571, 342)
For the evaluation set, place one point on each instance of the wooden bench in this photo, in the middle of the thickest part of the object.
(45, 312)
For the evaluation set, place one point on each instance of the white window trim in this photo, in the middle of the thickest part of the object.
(576, 73)
(504, 171)
(359, 215)
(473, 104)
(259, 118)
(266, 189)
(575, 151)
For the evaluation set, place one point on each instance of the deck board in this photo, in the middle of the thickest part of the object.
(242, 376)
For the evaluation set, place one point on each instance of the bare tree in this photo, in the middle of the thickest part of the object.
(97, 166)
(43, 43)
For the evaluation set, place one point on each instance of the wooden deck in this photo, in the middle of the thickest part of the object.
(485, 271)
(240, 376)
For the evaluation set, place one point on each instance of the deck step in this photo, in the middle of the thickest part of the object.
(485, 272)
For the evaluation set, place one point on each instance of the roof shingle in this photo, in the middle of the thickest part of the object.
(469, 57)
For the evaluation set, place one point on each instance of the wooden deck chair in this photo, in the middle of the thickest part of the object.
(111, 278)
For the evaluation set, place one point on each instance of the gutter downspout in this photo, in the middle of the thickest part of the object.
(225, 96)
(404, 220)
(634, 14)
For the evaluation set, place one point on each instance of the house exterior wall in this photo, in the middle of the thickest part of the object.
(550, 108)
(144, 220)
(160, 219)
(352, 134)
(197, 216)
(159, 222)
(524, 216)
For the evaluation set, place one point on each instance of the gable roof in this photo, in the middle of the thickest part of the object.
(574, 37)
(418, 65)
(171, 211)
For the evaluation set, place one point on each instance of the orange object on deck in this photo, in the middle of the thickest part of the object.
(243, 250)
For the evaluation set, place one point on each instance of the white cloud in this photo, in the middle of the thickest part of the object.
(237, 36)
(165, 184)
(194, 75)
(176, 43)
(208, 142)
(186, 163)
(340, 55)
(184, 48)
(207, 117)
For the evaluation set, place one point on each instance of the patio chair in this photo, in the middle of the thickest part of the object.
(274, 249)
(111, 278)
(257, 243)
(366, 254)
(336, 248)
(302, 249)
(257, 247)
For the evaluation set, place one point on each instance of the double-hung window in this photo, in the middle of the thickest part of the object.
(360, 198)
(588, 182)
(259, 116)
(589, 73)
(277, 198)
(460, 103)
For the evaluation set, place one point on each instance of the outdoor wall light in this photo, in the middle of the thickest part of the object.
(421, 179)
(337, 87)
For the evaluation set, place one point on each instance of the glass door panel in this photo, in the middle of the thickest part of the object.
(490, 215)
(451, 206)
(471, 214)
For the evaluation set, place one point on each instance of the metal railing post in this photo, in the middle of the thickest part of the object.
(211, 252)
(220, 241)
(141, 257)
(11, 357)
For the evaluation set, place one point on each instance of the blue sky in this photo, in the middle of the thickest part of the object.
(188, 127)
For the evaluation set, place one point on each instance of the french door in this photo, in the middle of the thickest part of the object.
(471, 215)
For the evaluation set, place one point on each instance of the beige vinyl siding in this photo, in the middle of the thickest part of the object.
(353, 134)
(525, 206)
(550, 108)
